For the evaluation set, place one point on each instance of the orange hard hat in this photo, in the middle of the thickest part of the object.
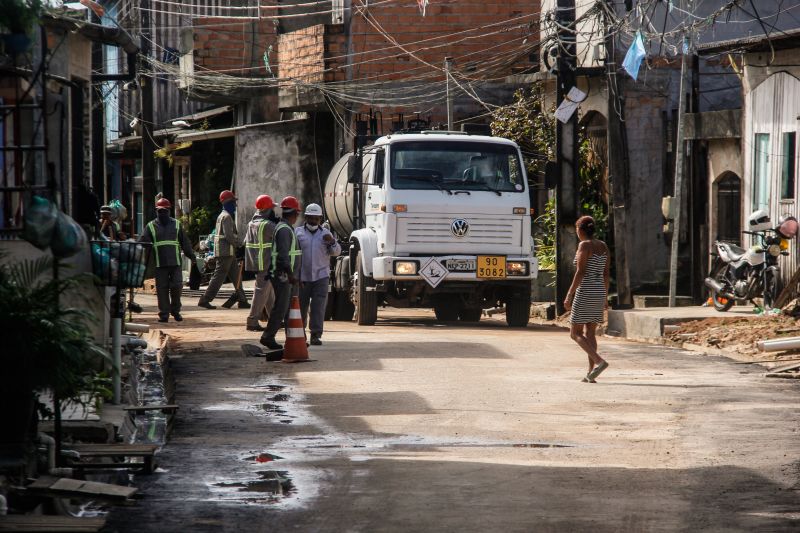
(290, 202)
(264, 202)
(226, 196)
(163, 203)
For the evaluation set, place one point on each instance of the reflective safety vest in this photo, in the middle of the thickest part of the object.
(294, 251)
(256, 253)
(157, 244)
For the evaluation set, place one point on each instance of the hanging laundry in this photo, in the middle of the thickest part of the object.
(422, 5)
(634, 57)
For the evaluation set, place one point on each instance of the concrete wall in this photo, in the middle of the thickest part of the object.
(276, 159)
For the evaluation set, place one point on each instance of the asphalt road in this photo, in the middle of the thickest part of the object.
(411, 425)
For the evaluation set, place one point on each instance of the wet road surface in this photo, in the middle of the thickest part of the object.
(412, 425)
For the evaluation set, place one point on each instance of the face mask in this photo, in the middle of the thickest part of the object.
(163, 216)
(312, 228)
(230, 207)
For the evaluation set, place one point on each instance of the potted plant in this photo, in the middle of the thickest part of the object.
(46, 346)
(17, 18)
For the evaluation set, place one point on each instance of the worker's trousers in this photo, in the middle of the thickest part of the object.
(263, 299)
(226, 268)
(169, 283)
(283, 296)
(314, 293)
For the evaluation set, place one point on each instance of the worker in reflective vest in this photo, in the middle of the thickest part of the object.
(258, 259)
(226, 242)
(168, 240)
(286, 269)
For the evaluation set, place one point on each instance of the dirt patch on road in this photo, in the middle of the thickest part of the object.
(738, 334)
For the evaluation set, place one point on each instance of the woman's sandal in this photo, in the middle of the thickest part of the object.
(596, 371)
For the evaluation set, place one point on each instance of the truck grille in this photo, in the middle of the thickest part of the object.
(483, 231)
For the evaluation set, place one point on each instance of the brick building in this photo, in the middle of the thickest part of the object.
(301, 77)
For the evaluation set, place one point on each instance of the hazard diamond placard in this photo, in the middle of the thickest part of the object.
(433, 272)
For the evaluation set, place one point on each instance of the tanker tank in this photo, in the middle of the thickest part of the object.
(339, 196)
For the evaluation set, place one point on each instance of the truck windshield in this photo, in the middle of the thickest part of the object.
(456, 165)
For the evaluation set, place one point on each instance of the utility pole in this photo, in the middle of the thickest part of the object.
(567, 189)
(148, 144)
(680, 163)
(618, 168)
(448, 65)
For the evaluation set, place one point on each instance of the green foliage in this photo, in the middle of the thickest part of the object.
(46, 345)
(199, 222)
(19, 16)
(525, 122)
(534, 131)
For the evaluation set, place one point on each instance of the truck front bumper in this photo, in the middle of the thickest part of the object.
(388, 268)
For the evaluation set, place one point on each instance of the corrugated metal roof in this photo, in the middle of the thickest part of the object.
(779, 39)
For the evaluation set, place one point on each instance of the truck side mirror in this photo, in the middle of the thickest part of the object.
(353, 170)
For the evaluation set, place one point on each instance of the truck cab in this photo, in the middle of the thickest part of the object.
(439, 220)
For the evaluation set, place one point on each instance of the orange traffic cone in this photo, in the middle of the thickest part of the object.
(295, 349)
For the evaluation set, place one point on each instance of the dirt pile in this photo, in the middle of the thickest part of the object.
(738, 334)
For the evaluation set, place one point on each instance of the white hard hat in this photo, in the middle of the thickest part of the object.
(313, 210)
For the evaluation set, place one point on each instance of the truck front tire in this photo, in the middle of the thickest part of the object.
(518, 308)
(366, 302)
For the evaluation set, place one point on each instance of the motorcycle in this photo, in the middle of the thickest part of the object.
(739, 274)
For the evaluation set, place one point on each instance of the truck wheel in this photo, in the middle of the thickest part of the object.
(518, 308)
(469, 314)
(343, 308)
(446, 308)
(366, 301)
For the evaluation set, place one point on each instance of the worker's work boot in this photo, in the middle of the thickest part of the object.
(255, 327)
(177, 317)
(315, 340)
(244, 305)
(229, 303)
(205, 305)
(163, 318)
(270, 343)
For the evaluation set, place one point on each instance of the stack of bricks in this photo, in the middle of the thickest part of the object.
(234, 46)
(312, 55)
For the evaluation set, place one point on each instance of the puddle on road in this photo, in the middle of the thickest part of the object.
(271, 486)
(273, 409)
(280, 398)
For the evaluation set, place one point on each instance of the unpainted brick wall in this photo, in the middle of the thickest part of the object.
(485, 39)
(234, 46)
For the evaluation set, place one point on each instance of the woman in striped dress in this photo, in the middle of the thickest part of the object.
(587, 296)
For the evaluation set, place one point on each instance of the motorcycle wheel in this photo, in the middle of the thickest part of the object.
(771, 291)
(721, 303)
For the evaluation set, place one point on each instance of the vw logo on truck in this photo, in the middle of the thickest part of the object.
(459, 227)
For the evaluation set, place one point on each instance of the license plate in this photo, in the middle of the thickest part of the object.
(460, 265)
(491, 266)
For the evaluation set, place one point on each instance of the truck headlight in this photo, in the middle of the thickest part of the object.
(517, 268)
(405, 268)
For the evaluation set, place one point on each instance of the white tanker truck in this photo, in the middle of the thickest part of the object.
(433, 220)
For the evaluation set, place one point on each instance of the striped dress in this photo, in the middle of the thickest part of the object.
(590, 298)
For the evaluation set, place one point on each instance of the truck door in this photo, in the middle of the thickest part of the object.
(375, 195)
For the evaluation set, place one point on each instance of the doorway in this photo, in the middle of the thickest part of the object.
(729, 208)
